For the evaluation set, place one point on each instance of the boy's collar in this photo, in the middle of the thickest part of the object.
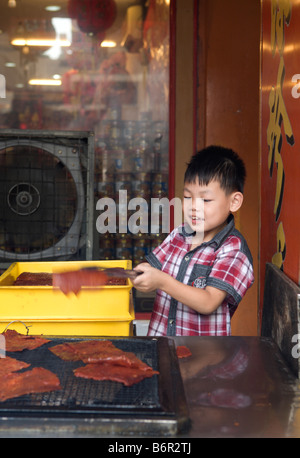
(219, 238)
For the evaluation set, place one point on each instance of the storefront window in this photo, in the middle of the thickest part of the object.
(100, 66)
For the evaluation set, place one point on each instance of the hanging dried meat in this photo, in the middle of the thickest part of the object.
(107, 371)
(37, 380)
(19, 342)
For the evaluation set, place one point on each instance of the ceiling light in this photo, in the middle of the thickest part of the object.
(12, 3)
(39, 42)
(10, 64)
(108, 44)
(52, 8)
(44, 82)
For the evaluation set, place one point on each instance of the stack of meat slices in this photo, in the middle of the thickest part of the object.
(69, 278)
(104, 361)
(14, 384)
(33, 279)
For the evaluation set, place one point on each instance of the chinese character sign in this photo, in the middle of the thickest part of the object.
(280, 136)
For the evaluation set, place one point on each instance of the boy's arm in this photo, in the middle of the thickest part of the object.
(204, 301)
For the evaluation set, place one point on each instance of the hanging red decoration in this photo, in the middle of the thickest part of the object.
(93, 16)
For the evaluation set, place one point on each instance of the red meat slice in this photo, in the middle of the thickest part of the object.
(9, 365)
(37, 380)
(106, 371)
(19, 342)
(72, 281)
(183, 352)
(98, 351)
(75, 351)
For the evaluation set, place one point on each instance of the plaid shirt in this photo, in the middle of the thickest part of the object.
(224, 262)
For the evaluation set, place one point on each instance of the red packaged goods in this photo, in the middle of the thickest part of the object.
(19, 342)
(37, 380)
(106, 371)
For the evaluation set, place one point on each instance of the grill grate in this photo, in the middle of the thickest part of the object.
(79, 395)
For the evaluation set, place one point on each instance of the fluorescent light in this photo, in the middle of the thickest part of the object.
(52, 8)
(44, 82)
(37, 42)
(108, 44)
(10, 64)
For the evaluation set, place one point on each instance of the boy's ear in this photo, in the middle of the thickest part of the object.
(236, 201)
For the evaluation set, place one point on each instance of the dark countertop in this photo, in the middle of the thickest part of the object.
(239, 387)
(234, 387)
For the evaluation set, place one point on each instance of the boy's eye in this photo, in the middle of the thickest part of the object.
(186, 197)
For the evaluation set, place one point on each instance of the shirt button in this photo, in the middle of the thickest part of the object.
(187, 258)
(171, 321)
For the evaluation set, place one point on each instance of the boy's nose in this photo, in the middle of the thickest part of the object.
(198, 205)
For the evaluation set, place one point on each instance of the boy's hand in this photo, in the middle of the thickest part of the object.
(202, 300)
(149, 280)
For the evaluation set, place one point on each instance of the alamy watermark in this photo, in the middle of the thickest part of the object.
(138, 215)
(2, 87)
(2, 346)
(296, 348)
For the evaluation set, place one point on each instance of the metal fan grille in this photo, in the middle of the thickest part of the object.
(44, 188)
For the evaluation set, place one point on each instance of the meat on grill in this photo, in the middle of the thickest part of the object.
(107, 371)
(68, 281)
(19, 342)
(9, 365)
(98, 351)
(37, 380)
(104, 361)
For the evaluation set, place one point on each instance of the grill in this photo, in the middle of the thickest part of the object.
(154, 406)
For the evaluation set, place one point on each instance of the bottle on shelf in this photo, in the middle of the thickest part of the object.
(142, 153)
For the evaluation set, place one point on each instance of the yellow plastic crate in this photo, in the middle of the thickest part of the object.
(103, 311)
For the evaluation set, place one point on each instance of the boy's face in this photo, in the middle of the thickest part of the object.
(207, 207)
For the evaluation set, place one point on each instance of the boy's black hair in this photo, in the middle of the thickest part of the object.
(217, 163)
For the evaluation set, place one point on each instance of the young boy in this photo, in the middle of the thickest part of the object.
(203, 268)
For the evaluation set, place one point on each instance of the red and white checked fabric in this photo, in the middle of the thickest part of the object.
(224, 262)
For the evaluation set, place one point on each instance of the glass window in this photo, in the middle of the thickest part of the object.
(100, 66)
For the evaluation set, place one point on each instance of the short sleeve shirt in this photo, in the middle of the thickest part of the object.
(225, 262)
